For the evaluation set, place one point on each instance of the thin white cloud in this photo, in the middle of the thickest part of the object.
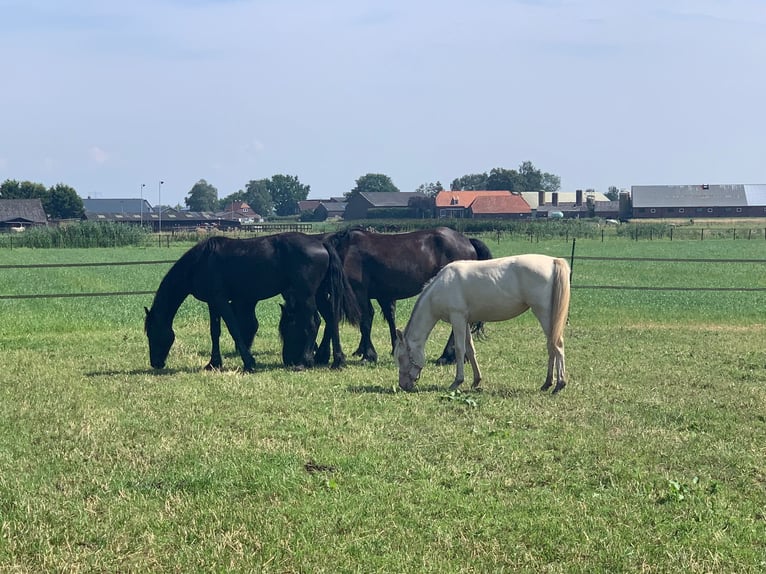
(98, 155)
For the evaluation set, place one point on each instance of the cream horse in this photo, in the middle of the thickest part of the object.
(465, 292)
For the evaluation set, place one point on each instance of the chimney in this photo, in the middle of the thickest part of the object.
(555, 200)
(578, 197)
(540, 198)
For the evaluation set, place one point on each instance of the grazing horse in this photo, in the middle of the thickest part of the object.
(232, 275)
(388, 267)
(469, 291)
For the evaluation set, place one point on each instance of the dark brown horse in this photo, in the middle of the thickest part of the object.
(232, 275)
(388, 267)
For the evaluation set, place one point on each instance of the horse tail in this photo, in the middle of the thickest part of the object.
(482, 251)
(559, 299)
(338, 288)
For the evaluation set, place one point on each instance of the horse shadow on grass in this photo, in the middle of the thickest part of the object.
(167, 372)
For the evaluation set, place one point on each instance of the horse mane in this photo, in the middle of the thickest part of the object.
(426, 287)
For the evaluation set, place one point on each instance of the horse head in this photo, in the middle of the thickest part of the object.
(409, 366)
(161, 336)
(295, 331)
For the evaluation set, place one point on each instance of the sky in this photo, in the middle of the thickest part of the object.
(108, 96)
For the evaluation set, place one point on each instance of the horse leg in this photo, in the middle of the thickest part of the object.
(366, 348)
(470, 353)
(558, 348)
(388, 308)
(448, 354)
(248, 322)
(225, 311)
(459, 327)
(216, 362)
(331, 333)
(322, 355)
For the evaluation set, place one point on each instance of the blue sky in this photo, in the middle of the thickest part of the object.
(106, 95)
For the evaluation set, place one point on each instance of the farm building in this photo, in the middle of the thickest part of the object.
(322, 209)
(125, 205)
(17, 214)
(330, 210)
(690, 201)
(481, 205)
(364, 205)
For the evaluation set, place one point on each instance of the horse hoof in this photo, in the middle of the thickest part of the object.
(558, 387)
(212, 367)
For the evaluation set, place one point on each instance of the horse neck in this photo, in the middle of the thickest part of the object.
(173, 290)
(421, 323)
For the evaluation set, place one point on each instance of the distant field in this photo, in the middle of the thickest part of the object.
(652, 459)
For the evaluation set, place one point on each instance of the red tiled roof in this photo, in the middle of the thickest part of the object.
(500, 204)
(463, 198)
(483, 201)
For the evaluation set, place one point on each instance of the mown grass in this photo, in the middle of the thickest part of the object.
(652, 458)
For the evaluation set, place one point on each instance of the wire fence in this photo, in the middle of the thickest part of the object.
(573, 260)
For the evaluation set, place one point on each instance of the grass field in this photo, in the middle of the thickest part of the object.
(653, 459)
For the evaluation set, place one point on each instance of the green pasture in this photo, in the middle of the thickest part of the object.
(652, 459)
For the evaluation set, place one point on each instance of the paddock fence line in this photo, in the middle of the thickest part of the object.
(572, 261)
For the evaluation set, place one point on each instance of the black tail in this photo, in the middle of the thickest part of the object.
(338, 289)
(482, 251)
(482, 254)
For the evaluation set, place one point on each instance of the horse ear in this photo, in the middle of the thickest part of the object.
(146, 310)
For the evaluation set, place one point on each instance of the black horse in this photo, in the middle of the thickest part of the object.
(388, 267)
(232, 275)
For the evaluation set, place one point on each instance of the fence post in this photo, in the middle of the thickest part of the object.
(702, 234)
(671, 234)
(571, 260)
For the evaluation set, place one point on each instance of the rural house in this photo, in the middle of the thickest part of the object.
(364, 205)
(690, 201)
(18, 214)
(481, 205)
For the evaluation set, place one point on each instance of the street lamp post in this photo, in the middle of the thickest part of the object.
(143, 185)
(159, 206)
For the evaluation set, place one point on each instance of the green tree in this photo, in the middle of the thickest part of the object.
(531, 178)
(258, 197)
(613, 194)
(12, 189)
(471, 182)
(505, 179)
(202, 197)
(62, 202)
(430, 189)
(286, 191)
(550, 182)
(372, 183)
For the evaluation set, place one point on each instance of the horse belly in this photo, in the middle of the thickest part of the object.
(494, 310)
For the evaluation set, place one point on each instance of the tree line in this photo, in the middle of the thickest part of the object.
(280, 194)
(59, 201)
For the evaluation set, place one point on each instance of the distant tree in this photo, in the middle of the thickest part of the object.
(12, 189)
(430, 189)
(62, 202)
(613, 194)
(286, 191)
(202, 197)
(372, 183)
(550, 182)
(258, 197)
(505, 179)
(471, 182)
(531, 178)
